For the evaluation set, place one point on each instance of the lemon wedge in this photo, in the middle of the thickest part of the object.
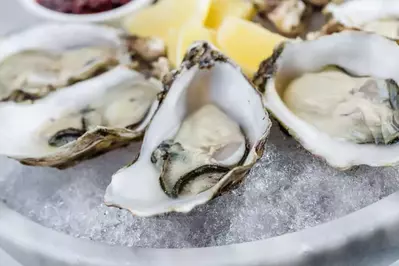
(247, 43)
(159, 19)
(220, 9)
(180, 41)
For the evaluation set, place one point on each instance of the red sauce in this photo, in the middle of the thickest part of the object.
(82, 6)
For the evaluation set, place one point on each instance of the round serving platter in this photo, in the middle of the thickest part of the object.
(369, 236)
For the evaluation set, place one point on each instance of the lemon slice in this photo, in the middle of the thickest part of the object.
(159, 19)
(180, 41)
(247, 43)
(220, 9)
(172, 46)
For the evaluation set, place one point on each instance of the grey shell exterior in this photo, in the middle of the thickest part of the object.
(91, 144)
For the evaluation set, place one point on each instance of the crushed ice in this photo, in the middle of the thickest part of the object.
(288, 190)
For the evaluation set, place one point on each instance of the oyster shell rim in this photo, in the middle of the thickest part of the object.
(337, 23)
(95, 143)
(331, 27)
(383, 10)
(318, 3)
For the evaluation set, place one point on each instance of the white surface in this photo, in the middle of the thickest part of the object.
(13, 17)
(6, 260)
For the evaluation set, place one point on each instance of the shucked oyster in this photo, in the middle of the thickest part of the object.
(39, 60)
(357, 109)
(45, 58)
(208, 132)
(381, 16)
(80, 121)
(30, 75)
(207, 144)
(340, 101)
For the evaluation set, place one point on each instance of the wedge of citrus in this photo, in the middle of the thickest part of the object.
(220, 9)
(172, 46)
(157, 20)
(181, 40)
(247, 43)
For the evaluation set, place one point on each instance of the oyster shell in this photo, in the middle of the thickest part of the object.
(380, 17)
(318, 2)
(289, 17)
(79, 121)
(338, 100)
(40, 60)
(209, 131)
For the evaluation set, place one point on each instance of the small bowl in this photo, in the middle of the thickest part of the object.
(110, 16)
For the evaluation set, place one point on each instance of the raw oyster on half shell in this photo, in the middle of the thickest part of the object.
(80, 121)
(340, 101)
(208, 132)
(40, 60)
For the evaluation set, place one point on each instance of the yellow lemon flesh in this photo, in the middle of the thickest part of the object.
(158, 20)
(172, 46)
(220, 9)
(180, 41)
(247, 43)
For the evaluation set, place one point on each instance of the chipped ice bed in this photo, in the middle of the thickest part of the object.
(287, 190)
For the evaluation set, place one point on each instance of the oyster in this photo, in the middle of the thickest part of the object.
(79, 121)
(318, 2)
(289, 17)
(209, 131)
(148, 56)
(340, 101)
(380, 16)
(40, 60)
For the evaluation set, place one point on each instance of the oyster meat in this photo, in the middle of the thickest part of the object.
(79, 121)
(51, 56)
(357, 109)
(380, 16)
(30, 75)
(207, 144)
(208, 132)
(339, 101)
